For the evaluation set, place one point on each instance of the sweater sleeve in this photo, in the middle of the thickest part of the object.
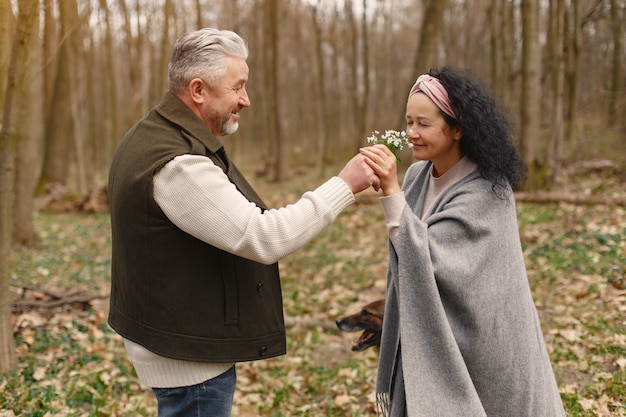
(198, 197)
(393, 205)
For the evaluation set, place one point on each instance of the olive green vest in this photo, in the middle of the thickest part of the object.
(170, 292)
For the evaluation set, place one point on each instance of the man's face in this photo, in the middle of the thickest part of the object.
(223, 103)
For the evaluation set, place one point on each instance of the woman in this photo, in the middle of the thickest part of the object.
(461, 334)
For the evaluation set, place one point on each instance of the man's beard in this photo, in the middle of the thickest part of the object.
(229, 127)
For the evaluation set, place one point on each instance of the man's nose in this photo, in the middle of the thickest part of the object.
(244, 100)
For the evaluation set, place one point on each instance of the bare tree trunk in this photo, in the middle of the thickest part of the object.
(364, 99)
(279, 150)
(494, 16)
(98, 137)
(233, 15)
(139, 75)
(75, 69)
(531, 92)
(507, 31)
(284, 145)
(269, 101)
(323, 110)
(426, 56)
(499, 27)
(111, 107)
(337, 119)
(199, 23)
(50, 54)
(165, 47)
(59, 123)
(555, 146)
(384, 67)
(350, 51)
(29, 105)
(573, 70)
(359, 72)
(617, 69)
(8, 357)
(7, 33)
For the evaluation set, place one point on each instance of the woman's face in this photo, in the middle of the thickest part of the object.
(432, 138)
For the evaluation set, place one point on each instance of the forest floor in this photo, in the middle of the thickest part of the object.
(72, 364)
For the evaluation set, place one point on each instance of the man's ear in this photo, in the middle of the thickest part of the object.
(195, 88)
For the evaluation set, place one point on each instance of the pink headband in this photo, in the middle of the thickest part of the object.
(432, 87)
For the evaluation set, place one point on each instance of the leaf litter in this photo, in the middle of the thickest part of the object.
(71, 363)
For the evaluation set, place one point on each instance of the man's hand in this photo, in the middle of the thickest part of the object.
(358, 175)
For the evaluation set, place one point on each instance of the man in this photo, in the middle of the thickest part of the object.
(194, 282)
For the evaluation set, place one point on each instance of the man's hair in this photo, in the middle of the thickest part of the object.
(202, 54)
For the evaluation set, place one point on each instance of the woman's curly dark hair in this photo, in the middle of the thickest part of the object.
(487, 133)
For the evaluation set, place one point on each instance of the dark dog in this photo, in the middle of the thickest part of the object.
(369, 320)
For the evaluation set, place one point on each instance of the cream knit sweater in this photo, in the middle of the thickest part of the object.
(197, 197)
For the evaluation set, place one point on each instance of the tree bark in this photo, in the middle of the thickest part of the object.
(617, 69)
(165, 47)
(555, 145)
(351, 51)
(29, 106)
(138, 73)
(573, 70)
(199, 22)
(494, 17)
(8, 357)
(361, 122)
(50, 54)
(278, 148)
(509, 51)
(76, 90)
(110, 106)
(426, 56)
(323, 137)
(59, 123)
(531, 93)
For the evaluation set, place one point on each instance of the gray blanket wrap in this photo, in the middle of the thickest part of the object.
(461, 335)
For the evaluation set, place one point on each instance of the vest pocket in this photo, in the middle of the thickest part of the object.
(231, 296)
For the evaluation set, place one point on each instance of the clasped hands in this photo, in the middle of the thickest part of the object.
(373, 166)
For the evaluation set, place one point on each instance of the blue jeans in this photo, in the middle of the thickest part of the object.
(212, 398)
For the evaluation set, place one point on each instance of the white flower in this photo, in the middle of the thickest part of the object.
(394, 140)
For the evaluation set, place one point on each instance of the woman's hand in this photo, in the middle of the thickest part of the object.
(383, 163)
(359, 175)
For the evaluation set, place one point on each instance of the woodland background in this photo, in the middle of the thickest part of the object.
(76, 74)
